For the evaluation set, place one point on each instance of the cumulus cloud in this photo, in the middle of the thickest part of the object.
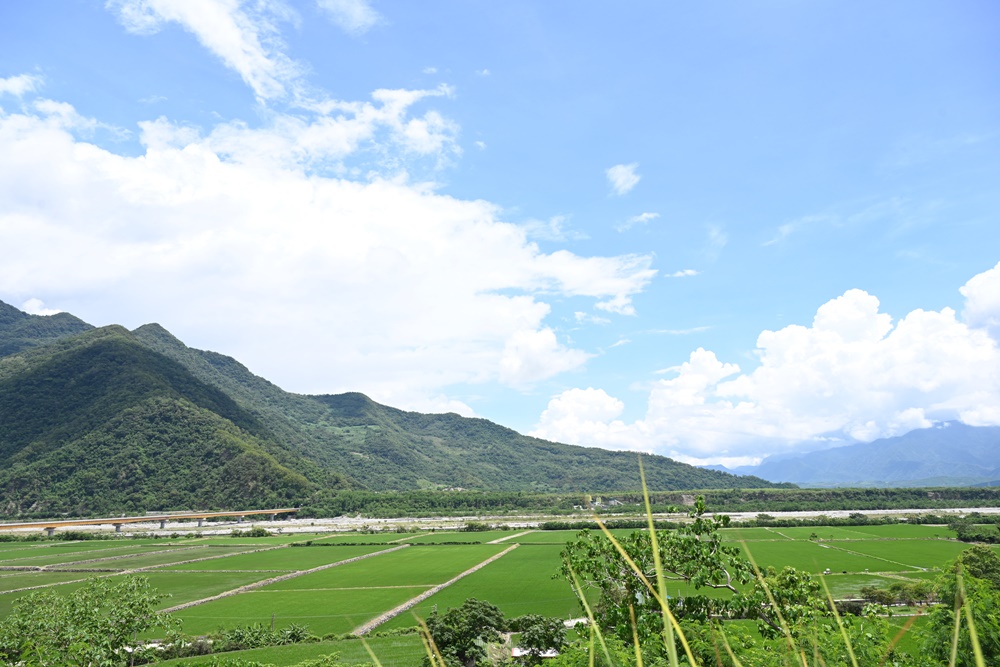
(243, 35)
(37, 307)
(353, 16)
(622, 177)
(316, 280)
(982, 301)
(529, 356)
(582, 415)
(852, 375)
(20, 84)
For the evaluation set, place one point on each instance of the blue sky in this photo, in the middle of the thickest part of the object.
(714, 231)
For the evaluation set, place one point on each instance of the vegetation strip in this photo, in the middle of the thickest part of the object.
(275, 580)
(198, 560)
(121, 556)
(413, 602)
(509, 537)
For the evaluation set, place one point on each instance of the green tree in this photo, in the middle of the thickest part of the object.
(540, 634)
(462, 633)
(971, 583)
(90, 626)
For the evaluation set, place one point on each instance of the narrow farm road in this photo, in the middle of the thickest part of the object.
(413, 602)
(507, 538)
(274, 580)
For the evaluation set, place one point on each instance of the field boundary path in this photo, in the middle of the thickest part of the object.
(413, 602)
(115, 573)
(501, 540)
(274, 580)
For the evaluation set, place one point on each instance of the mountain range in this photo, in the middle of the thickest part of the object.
(99, 420)
(947, 454)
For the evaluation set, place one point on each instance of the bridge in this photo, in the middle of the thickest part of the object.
(50, 526)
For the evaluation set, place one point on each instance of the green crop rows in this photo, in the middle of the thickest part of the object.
(396, 567)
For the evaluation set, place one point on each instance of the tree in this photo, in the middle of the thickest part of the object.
(540, 634)
(90, 626)
(462, 633)
(972, 582)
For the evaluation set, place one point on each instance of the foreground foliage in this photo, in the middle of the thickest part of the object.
(798, 624)
(91, 626)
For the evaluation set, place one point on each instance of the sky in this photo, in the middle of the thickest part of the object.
(714, 231)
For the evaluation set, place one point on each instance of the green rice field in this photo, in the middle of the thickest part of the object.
(340, 596)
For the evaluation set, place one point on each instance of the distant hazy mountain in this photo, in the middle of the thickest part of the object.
(109, 420)
(949, 454)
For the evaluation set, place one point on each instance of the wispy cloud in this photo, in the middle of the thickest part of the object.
(553, 229)
(245, 37)
(677, 332)
(20, 84)
(623, 177)
(640, 219)
(353, 16)
(586, 318)
(483, 72)
(683, 273)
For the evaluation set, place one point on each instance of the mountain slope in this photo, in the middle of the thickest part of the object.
(112, 420)
(20, 331)
(98, 422)
(948, 454)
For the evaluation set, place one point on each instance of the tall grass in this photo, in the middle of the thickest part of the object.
(673, 633)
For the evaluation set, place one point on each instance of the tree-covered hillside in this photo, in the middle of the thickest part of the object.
(107, 420)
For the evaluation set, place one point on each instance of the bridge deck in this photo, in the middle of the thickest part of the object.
(118, 521)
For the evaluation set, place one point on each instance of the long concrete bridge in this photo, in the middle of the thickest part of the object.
(50, 526)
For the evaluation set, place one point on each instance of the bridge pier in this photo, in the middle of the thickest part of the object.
(118, 527)
(240, 520)
(163, 524)
(200, 522)
(49, 532)
(274, 517)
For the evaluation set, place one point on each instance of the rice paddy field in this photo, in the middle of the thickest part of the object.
(335, 584)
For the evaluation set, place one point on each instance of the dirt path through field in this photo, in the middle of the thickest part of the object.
(505, 538)
(274, 580)
(413, 602)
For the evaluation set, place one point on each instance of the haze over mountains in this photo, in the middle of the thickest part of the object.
(96, 420)
(948, 454)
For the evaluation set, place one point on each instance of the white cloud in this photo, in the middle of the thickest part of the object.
(481, 145)
(586, 318)
(852, 375)
(582, 415)
(429, 70)
(483, 72)
(384, 129)
(20, 84)
(622, 177)
(640, 219)
(529, 356)
(982, 301)
(683, 273)
(243, 35)
(553, 229)
(37, 307)
(318, 282)
(353, 16)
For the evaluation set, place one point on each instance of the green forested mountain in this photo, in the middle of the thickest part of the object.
(108, 420)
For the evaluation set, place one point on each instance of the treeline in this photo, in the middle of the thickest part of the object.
(379, 504)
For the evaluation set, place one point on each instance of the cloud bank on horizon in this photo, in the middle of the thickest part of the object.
(357, 244)
(853, 375)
